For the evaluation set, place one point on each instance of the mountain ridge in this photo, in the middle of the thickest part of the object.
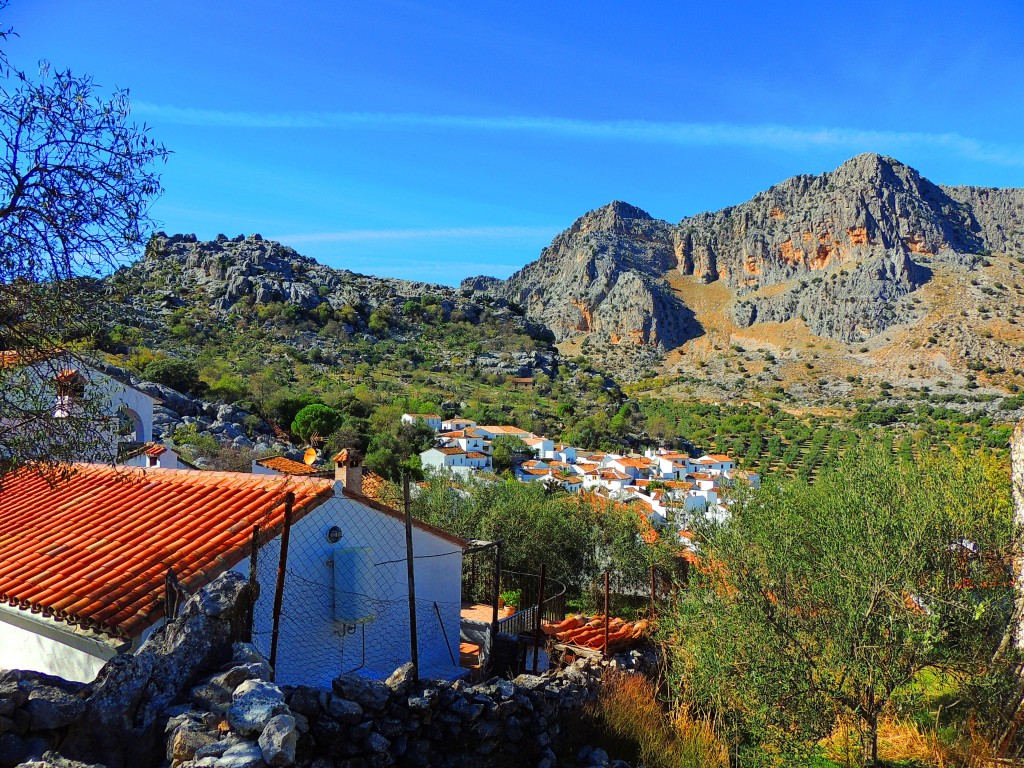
(868, 272)
(873, 225)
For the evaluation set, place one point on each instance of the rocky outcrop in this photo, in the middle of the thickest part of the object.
(603, 276)
(866, 230)
(871, 208)
(998, 215)
(254, 271)
(849, 304)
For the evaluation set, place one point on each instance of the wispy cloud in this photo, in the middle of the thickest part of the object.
(773, 136)
(436, 233)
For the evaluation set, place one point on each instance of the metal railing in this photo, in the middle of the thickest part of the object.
(524, 620)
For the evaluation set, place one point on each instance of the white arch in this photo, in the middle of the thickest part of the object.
(138, 424)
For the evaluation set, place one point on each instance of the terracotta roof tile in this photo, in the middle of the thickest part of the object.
(287, 466)
(373, 485)
(450, 451)
(93, 551)
(10, 358)
(638, 463)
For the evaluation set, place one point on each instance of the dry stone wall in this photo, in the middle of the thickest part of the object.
(239, 719)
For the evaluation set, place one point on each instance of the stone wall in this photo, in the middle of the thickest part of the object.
(118, 719)
(36, 713)
(239, 719)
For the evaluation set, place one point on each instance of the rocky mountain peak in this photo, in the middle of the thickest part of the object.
(616, 216)
(875, 173)
(873, 167)
(870, 226)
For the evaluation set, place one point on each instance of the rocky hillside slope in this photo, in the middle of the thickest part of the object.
(186, 290)
(603, 276)
(228, 273)
(872, 227)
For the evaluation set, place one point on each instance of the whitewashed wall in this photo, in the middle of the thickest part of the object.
(313, 648)
(34, 643)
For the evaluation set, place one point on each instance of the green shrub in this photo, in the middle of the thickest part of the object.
(182, 375)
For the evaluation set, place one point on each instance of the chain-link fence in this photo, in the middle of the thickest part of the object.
(334, 593)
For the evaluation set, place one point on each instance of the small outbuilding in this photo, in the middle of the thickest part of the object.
(84, 568)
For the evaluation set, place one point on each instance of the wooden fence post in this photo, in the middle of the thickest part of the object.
(607, 618)
(411, 570)
(282, 566)
(540, 617)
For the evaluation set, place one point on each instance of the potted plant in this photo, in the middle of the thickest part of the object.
(510, 599)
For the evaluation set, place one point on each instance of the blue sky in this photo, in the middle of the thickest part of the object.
(433, 141)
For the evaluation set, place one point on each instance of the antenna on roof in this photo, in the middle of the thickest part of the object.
(309, 456)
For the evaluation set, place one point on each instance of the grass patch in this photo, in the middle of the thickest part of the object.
(629, 723)
(906, 744)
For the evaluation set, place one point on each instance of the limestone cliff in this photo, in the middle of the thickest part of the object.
(841, 251)
(603, 276)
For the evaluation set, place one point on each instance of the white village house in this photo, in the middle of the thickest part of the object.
(432, 420)
(54, 382)
(83, 567)
(454, 458)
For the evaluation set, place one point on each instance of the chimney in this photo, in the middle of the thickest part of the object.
(348, 470)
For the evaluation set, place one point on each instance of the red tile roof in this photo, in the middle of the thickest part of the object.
(375, 487)
(94, 551)
(287, 466)
(638, 463)
(450, 451)
(10, 358)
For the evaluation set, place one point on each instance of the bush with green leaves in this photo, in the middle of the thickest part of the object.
(509, 450)
(576, 536)
(821, 601)
(182, 375)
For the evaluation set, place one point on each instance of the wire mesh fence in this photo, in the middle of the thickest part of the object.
(334, 594)
(335, 584)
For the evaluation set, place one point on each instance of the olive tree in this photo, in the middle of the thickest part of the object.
(818, 602)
